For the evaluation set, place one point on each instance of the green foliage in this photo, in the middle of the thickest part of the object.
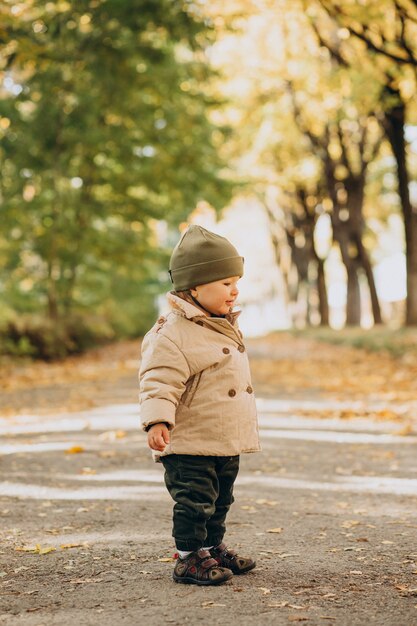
(39, 337)
(105, 133)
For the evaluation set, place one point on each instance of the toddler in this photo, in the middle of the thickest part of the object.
(197, 403)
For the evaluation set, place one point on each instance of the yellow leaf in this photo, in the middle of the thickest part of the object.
(350, 523)
(25, 549)
(65, 546)
(35, 549)
(403, 432)
(88, 471)
(274, 530)
(74, 450)
(167, 559)
(41, 550)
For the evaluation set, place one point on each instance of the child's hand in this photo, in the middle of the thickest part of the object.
(158, 437)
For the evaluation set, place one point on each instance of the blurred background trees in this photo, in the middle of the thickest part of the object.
(119, 121)
(105, 133)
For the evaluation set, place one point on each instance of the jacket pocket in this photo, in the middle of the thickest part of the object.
(190, 389)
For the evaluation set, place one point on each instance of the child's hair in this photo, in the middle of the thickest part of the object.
(185, 294)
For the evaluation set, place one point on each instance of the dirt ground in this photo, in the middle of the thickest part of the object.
(328, 508)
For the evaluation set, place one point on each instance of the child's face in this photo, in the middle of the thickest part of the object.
(217, 297)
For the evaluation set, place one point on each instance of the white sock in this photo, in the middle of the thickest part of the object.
(207, 547)
(183, 553)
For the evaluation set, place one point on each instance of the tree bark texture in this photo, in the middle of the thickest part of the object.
(394, 123)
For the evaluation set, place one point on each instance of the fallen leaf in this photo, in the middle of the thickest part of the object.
(274, 530)
(265, 590)
(285, 555)
(407, 591)
(75, 450)
(167, 559)
(65, 546)
(112, 435)
(209, 604)
(403, 432)
(350, 523)
(35, 549)
(82, 581)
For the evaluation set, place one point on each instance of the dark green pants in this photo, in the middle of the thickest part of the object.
(202, 487)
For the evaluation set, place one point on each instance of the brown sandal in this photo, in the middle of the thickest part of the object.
(199, 568)
(230, 559)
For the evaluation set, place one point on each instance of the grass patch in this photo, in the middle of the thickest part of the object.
(396, 342)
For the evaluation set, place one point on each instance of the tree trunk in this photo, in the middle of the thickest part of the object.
(353, 303)
(322, 293)
(366, 264)
(321, 286)
(394, 122)
(51, 295)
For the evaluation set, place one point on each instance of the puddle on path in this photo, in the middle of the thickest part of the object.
(357, 484)
(18, 448)
(276, 433)
(276, 405)
(288, 426)
(99, 538)
(121, 492)
(126, 417)
(337, 437)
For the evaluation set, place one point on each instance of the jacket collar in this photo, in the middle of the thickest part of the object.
(227, 325)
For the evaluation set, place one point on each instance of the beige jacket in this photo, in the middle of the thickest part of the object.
(195, 376)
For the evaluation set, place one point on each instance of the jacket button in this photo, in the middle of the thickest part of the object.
(241, 348)
(161, 320)
(226, 350)
(232, 393)
(249, 389)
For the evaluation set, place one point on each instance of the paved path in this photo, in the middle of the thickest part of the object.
(329, 508)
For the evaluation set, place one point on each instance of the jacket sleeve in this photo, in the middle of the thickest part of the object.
(163, 374)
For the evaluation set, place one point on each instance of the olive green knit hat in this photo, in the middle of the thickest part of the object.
(202, 257)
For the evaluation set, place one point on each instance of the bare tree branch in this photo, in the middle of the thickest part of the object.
(335, 52)
(366, 36)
